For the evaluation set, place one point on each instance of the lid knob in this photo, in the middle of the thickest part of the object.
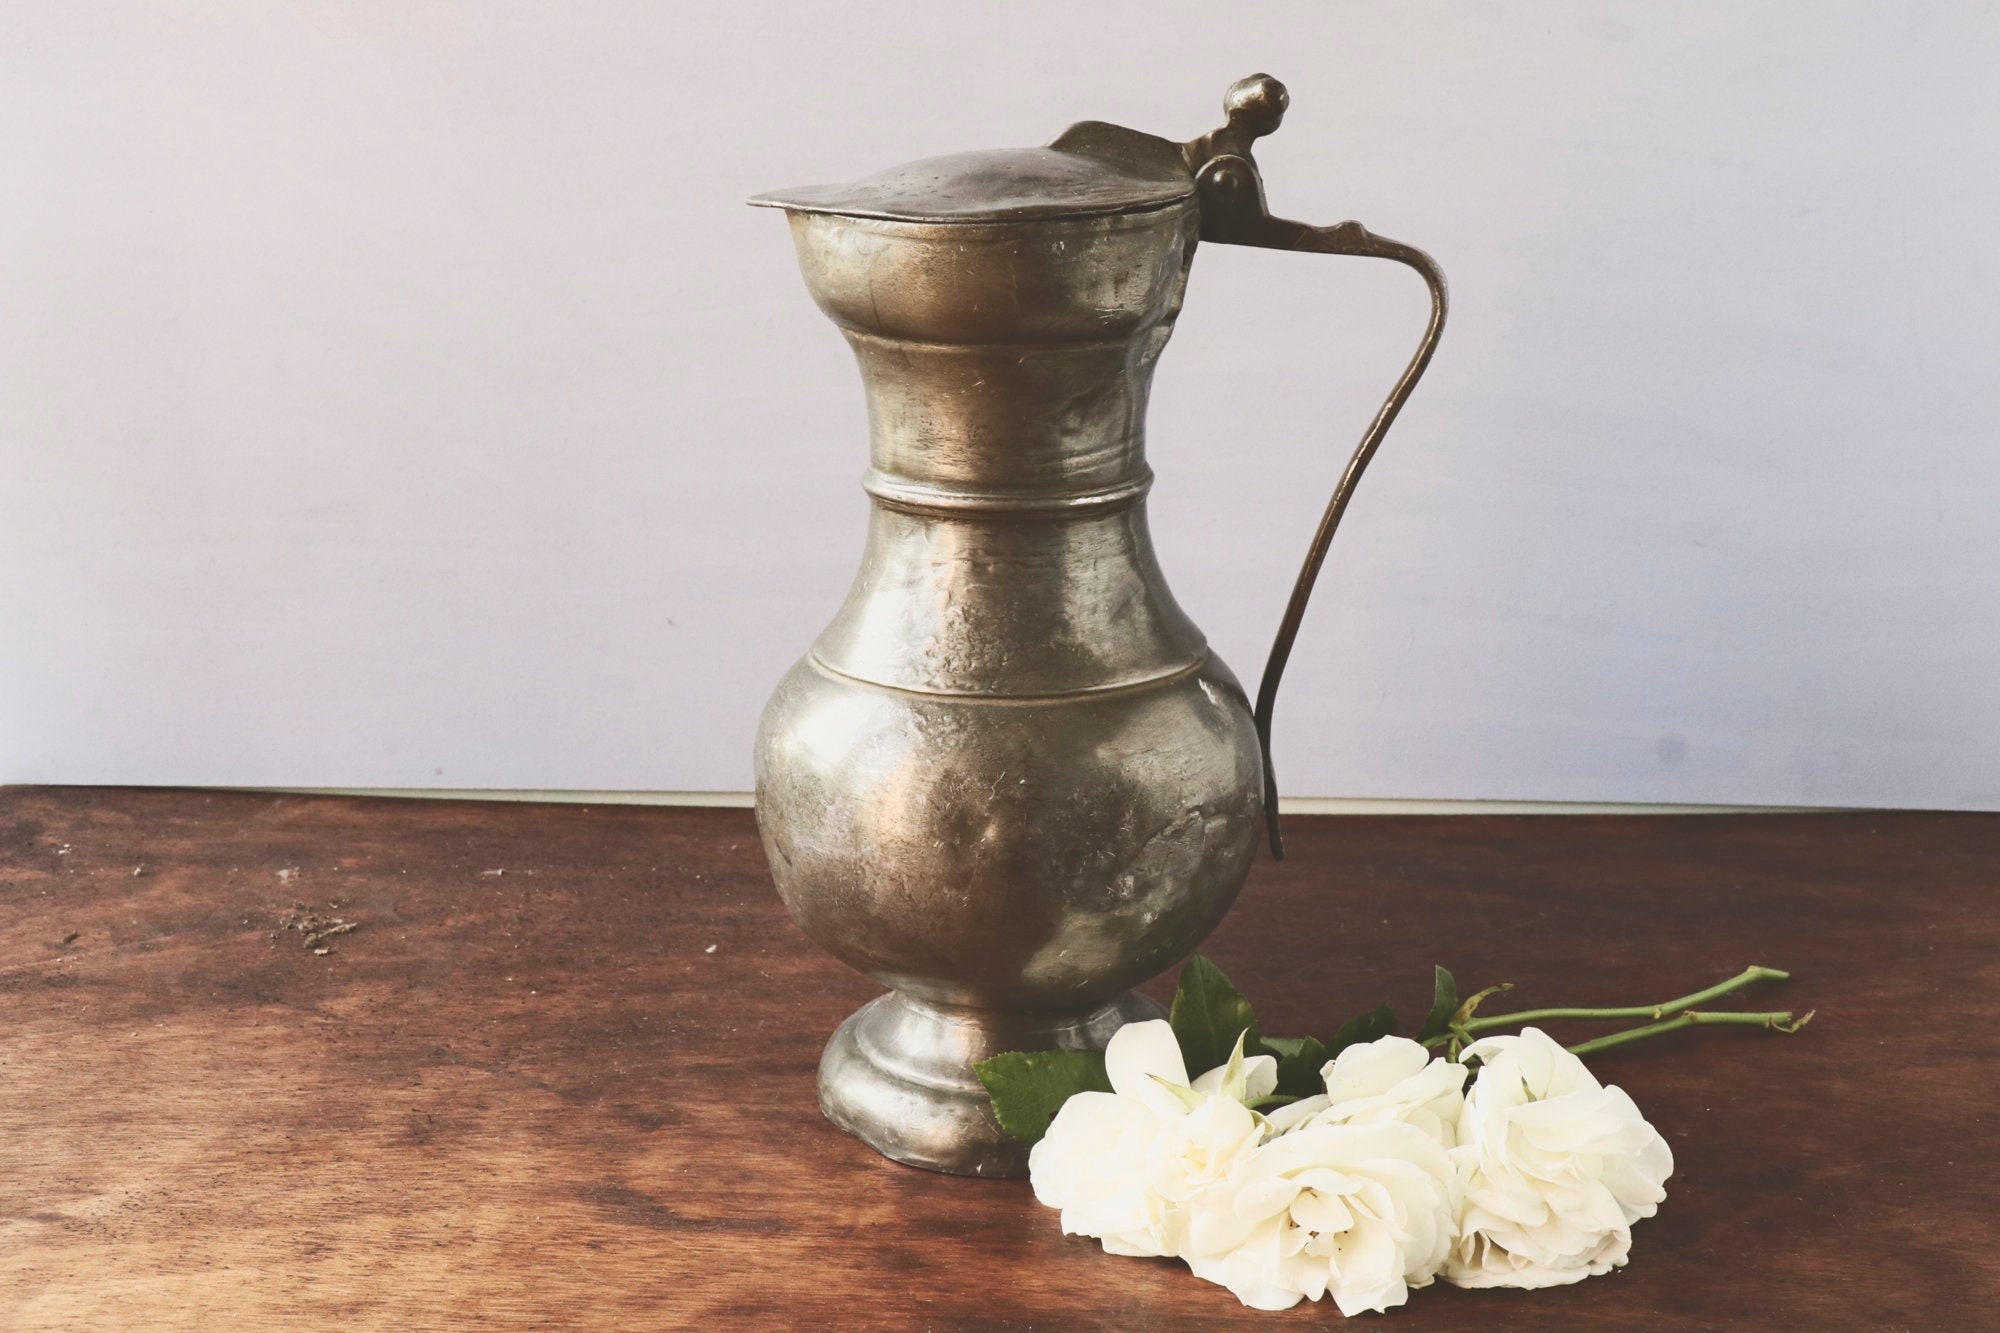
(1255, 106)
(1225, 172)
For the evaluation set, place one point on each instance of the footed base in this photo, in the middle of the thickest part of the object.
(898, 1076)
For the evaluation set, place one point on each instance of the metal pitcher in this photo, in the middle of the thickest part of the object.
(1011, 780)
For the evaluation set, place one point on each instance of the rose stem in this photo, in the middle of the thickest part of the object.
(1654, 1011)
(1778, 1021)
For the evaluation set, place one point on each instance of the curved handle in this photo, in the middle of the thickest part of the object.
(1348, 238)
(1231, 192)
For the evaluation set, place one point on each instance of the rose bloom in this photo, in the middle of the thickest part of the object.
(1391, 1079)
(1123, 1165)
(1361, 1212)
(1556, 1168)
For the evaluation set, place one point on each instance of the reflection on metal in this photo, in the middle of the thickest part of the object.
(1010, 780)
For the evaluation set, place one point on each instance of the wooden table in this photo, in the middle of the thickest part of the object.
(560, 1074)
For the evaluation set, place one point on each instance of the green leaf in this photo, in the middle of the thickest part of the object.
(1298, 1070)
(1209, 1015)
(1028, 1088)
(1444, 1003)
(1378, 1022)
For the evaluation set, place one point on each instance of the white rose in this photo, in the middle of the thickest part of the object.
(1092, 1165)
(1365, 1212)
(1122, 1165)
(1193, 1151)
(1381, 1082)
(1556, 1168)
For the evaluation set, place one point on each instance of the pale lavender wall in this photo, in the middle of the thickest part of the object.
(397, 394)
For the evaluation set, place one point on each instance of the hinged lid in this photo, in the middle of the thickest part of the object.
(1092, 170)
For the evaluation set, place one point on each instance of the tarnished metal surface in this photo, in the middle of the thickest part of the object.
(1010, 780)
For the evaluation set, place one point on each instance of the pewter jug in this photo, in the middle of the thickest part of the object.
(1011, 780)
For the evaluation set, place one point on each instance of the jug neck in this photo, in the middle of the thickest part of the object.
(1008, 553)
(1007, 370)
(1004, 363)
(1045, 427)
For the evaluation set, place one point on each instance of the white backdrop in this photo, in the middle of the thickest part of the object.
(397, 393)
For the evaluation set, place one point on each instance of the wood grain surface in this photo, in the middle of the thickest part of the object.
(560, 1072)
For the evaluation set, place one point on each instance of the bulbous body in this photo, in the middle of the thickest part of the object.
(1010, 780)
